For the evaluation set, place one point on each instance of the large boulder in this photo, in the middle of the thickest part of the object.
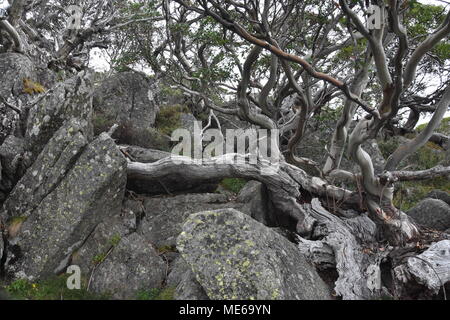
(130, 100)
(164, 216)
(439, 194)
(102, 240)
(236, 257)
(70, 99)
(59, 224)
(432, 213)
(48, 170)
(132, 266)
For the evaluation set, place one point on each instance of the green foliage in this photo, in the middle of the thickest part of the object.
(99, 258)
(443, 128)
(425, 158)
(408, 194)
(233, 184)
(168, 118)
(421, 18)
(114, 241)
(54, 288)
(352, 51)
(156, 294)
(442, 50)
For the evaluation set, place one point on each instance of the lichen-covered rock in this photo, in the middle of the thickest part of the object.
(130, 100)
(91, 191)
(49, 169)
(432, 213)
(14, 68)
(164, 216)
(105, 236)
(236, 257)
(132, 266)
(69, 99)
(11, 167)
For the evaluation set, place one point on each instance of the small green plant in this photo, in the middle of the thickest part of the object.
(54, 288)
(168, 118)
(99, 258)
(233, 184)
(114, 241)
(151, 294)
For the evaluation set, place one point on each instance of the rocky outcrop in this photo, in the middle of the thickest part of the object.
(100, 242)
(235, 257)
(432, 213)
(439, 194)
(130, 100)
(132, 266)
(68, 213)
(66, 100)
(14, 69)
(164, 216)
(48, 170)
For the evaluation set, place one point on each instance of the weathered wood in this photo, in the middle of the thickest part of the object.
(342, 245)
(432, 267)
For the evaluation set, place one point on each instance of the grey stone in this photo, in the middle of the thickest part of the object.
(132, 266)
(130, 100)
(49, 169)
(189, 288)
(256, 202)
(91, 191)
(103, 239)
(439, 194)
(11, 167)
(68, 100)
(14, 68)
(164, 216)
(178, 269)
(432, 213)
(236, 257)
